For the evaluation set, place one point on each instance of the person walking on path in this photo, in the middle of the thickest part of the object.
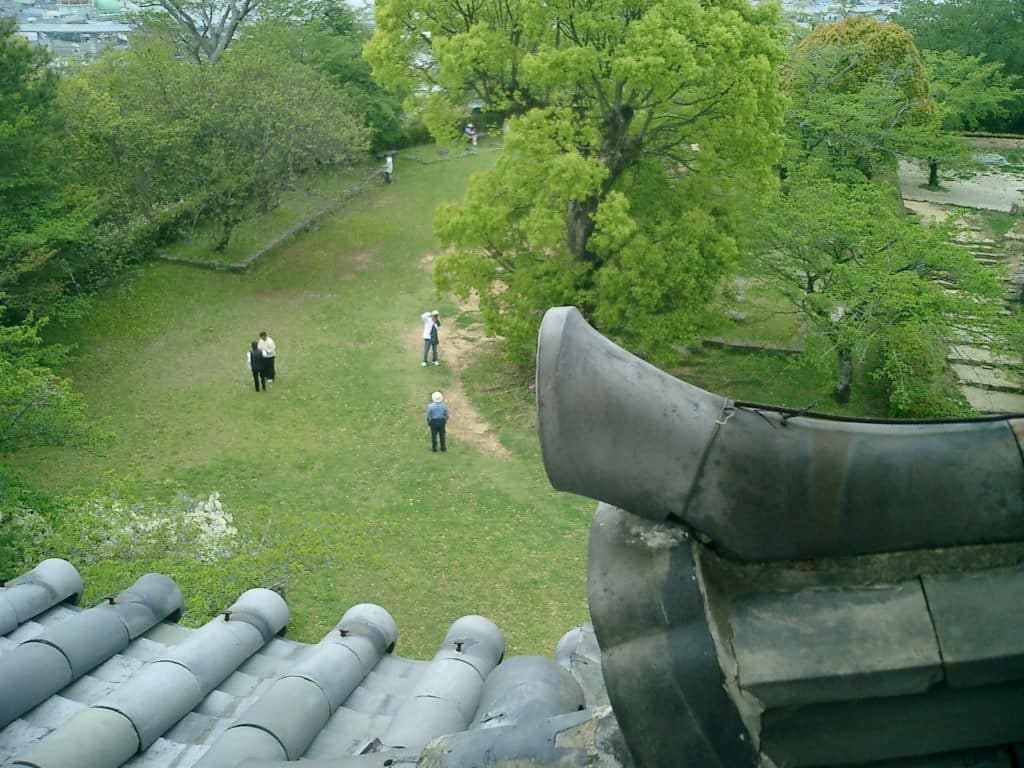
(389, 168)
(437, 418)
(431, 322)
(255, 361)
(269, 350)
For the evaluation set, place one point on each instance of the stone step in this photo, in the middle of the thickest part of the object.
(973, 355)
(972, 241)
(990, 401)
(978, 247)
(998, 379)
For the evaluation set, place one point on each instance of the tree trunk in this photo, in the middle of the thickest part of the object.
(933, 172)
(844, 379)
(580, 226)
(227, 227)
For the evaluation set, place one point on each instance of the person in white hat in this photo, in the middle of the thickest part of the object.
(437, 418)
(431, 322)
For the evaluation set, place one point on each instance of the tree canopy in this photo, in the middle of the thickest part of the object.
(970, 91)
(221, 141)
(866, 276)
(637, 131)
(992, 29)
(859, 98)
(204, 28)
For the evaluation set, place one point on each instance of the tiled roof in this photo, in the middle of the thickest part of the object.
(122, 684)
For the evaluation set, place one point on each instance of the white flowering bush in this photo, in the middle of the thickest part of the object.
(108, 528)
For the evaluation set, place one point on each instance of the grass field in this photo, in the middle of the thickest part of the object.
(312, 194)
(329, 475)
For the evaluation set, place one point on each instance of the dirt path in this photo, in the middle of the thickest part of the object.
(995, 191)
(456, 349)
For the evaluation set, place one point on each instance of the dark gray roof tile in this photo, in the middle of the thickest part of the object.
(260, 665)
(240, 684)
(233, 693)
(162, 753)
(193, 728)
(17, 733)
(282, 648)
(168, 634)
(52, 581)
(53, 712)
(373, 702)
(144, 649)
(87, 690)
(217, 704)
(118, 669)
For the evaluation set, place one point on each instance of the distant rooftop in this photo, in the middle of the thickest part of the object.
(89, 27)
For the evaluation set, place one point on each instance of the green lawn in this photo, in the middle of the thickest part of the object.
(778, 379)
(329, 476)
(311, 195)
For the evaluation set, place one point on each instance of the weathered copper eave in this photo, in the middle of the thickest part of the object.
(762, 483)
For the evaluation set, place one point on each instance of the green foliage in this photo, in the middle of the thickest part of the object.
(860, 97)
(993, 29)
(328, 476)
(112, 540)
(39, 215)
(638, 133)
(913, 372)
(859, 272)
(37, 408)
(330, 41)
(969, 90)
(172, 139)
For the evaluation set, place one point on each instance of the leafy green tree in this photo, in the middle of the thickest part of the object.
(862, 274)
(278, 119)
(993, 29)
(969, 90)
(638, 130)
(168, 137)
(859, 99)
(204, 28)
(37, 214)
(331, 40)
(37, 408)
(130, 129)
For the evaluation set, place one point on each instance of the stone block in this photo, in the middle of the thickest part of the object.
(979, 624)
(943, 720)
(835, 644)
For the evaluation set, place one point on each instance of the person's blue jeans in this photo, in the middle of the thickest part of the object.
(437, 431)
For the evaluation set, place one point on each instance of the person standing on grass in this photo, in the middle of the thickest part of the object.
(431, 322)
(437, 418)
(255, 360)
(269, 349)
(389, 168)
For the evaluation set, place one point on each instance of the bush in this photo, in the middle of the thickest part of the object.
(113, 539)
(913, 373)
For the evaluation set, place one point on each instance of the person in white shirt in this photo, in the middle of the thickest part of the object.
(431, 322)
(269, 349)
(389, 168)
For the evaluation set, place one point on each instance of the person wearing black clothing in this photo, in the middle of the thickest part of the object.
(257, 364)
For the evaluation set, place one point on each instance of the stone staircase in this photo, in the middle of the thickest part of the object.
(990, 378)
